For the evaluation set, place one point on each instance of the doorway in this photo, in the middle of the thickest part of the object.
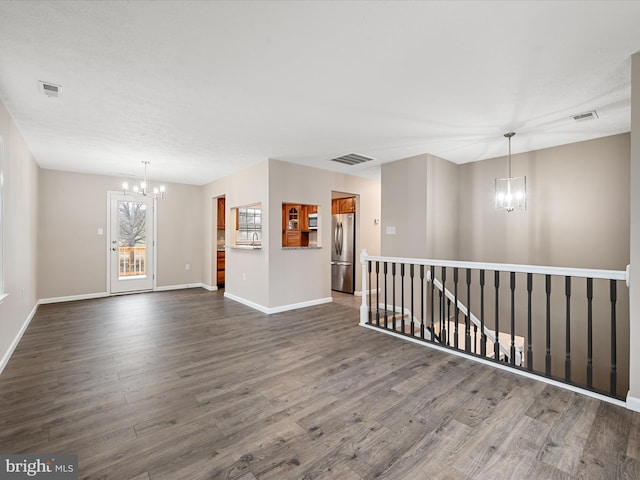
(131, 243)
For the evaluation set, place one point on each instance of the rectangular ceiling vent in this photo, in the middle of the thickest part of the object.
(592, 115)
(352, 159)
(50, 90)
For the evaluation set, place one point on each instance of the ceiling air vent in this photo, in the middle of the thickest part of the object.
(50, 89)
(586, 116)
(352, 159)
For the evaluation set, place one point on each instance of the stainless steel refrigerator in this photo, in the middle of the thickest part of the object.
(343, 241)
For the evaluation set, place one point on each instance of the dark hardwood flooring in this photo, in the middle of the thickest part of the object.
(189, 385)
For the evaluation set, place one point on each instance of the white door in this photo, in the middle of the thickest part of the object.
(131, 243)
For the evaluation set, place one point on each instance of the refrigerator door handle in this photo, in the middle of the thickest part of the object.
(340, 238)
(335, 238)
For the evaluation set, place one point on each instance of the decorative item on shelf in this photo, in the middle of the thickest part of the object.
(511, 192)
(143, 188)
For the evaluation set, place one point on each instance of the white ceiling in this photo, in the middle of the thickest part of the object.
(204, 89)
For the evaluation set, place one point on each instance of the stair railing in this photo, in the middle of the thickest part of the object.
(580, 309)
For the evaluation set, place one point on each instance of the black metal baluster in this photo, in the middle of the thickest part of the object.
(386, 305)
(433, 279)
(496, 343)
(475, 338)
(590, 332)
(402, 296)
(422, 307)
(455, 308)
(512, 351)
(613, 375)
(393, 296)
(444, 337)
(483, 336)
(529, 350)
(370, 294)
(377, 293)
(448, 320)
(547, 359)
(567, 355)
(412, 315)
(467, 321)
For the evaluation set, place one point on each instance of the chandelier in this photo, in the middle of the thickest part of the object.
(143, 187)
(511, 192)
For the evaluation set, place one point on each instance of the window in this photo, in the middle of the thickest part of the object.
(248, 224)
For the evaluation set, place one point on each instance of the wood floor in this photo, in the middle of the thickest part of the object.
(189, 385)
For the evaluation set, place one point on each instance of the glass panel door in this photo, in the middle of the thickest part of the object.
(131, 243)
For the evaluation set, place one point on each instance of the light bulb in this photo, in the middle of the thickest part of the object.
(135, 188)
(125, 186)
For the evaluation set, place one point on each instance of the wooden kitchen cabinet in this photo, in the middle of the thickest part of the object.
(220, 259)
(295, 223)
(221, 213)
(343, 205)
(304, 218)
(348, 205)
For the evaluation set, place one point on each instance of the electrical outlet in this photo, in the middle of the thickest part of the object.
(187, 266)
(244, 276)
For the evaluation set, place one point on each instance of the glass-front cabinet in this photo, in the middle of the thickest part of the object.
(299, 225)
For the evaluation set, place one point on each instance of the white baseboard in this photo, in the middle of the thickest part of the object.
(358, 293)
(73, 298)
(209, 287)
(281, 308)
(633, 403)
(183, 286)
(14, 344)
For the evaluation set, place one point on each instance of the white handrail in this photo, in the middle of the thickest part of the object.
(507, 267)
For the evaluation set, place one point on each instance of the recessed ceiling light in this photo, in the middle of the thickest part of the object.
(49, 89)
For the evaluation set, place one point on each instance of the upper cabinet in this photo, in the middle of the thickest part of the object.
(221, 213)
(343, 205)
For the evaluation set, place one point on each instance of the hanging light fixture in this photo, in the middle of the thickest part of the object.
(143, 188)
(511, 192)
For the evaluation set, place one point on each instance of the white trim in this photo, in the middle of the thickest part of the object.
(507, 267)
(281, 308)
(209, 287)
(633, 403)
(358, 293)
(73, 298)
(14, 344)
(3, 296)
(180, 287)
(522, 373)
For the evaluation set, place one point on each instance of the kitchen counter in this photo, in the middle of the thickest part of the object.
(313, 247)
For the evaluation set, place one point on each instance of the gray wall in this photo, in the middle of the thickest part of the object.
(420, 199)
(20, 230)
(634, 390)
(577, 207)
(72, 256)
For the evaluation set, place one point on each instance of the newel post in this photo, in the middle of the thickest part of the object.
(364, 311)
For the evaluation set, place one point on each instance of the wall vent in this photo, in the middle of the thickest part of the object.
(592, 115)
(49, 89)
(352, 159)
